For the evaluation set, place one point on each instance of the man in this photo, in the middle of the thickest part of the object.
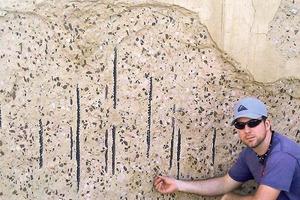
(271, 159)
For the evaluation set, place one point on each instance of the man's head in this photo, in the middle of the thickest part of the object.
(251, 108)
(253, 127)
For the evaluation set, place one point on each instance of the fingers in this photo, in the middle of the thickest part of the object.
(159, 184)
(157, 179)
(164, 185)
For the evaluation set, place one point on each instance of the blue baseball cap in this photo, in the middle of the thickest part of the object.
(249, 107)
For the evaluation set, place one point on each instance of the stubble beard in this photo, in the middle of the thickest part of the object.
(256, 143)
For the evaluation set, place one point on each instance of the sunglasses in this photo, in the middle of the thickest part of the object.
(251, 124)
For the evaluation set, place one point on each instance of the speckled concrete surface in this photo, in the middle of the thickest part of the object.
(96, 99)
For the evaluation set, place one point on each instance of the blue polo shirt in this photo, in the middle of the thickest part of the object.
(281, 169)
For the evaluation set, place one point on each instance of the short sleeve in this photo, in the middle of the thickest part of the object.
(279, 171)
(240, 171)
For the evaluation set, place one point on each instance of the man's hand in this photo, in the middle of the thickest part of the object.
(165, 185)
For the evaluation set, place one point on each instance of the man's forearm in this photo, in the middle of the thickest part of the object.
(200, 188)
(210, 187)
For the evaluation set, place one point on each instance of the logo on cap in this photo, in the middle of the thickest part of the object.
(241, 108)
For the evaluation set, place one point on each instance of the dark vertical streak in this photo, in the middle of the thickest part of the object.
(71, 143)
(214, 147)
(106, 150)
(21, 47)
(115, 77)
(178, 153)
(113, 149)
(172, 140)
(41, 143)
(106, 91)
(78, 139)
(298, 131)
(149, 119)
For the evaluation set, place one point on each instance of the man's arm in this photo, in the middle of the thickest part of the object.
(209, 187)
(263, 192)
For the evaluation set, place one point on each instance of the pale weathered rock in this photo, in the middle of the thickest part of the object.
(98, 98)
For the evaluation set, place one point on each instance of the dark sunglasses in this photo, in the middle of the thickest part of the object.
(251, 124)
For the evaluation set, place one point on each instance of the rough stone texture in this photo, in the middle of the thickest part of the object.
(284, 29)
(98, 98)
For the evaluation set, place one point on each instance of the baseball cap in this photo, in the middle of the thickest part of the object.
(249, 107)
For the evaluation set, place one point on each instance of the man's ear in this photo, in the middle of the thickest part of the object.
(268, 124)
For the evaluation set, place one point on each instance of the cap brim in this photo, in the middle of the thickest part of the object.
(251, 116)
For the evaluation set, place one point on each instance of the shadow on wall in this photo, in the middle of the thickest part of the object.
(96, 99)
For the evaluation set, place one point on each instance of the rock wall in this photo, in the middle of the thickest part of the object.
(97, 98)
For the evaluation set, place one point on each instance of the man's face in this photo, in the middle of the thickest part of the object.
(253, 137)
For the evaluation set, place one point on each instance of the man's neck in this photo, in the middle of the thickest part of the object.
(265, 145)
